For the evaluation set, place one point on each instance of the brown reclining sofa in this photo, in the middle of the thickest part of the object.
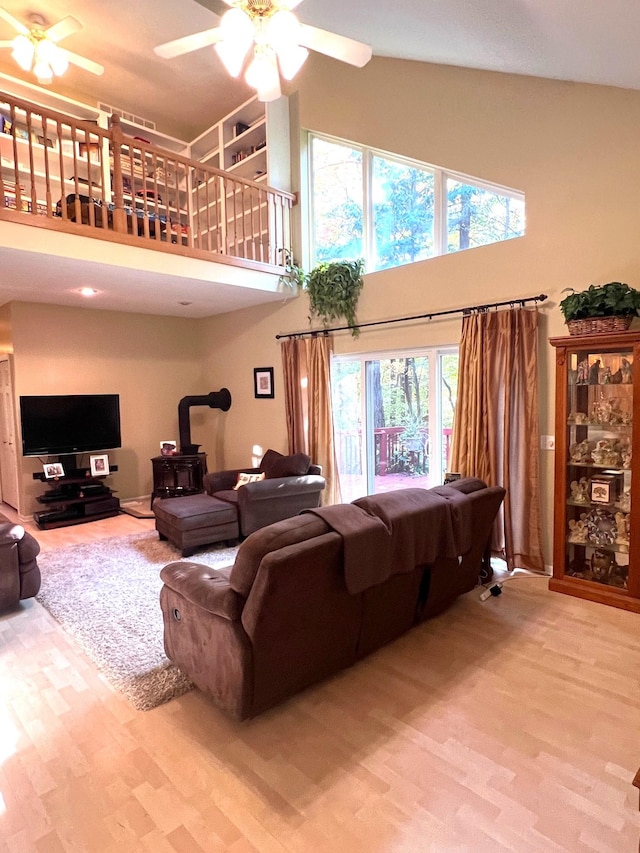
(314, 593)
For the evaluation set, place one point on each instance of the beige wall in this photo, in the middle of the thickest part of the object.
(151, 362)
(572, 148)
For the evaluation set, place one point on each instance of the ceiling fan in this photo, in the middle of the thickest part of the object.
(36, 48)
(266, 36)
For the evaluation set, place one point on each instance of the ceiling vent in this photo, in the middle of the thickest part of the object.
(130, 117)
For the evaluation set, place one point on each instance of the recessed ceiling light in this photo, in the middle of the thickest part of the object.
(88, 291)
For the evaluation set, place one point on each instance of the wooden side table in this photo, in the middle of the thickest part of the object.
(178, 475)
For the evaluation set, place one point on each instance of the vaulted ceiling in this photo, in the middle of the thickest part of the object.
(591, 41)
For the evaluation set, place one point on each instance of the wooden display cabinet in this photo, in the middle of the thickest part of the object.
(596, 553)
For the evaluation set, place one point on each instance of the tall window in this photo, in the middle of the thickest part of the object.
(393, 416)
(392, 211)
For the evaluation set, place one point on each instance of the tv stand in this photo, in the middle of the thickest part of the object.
(75, 498)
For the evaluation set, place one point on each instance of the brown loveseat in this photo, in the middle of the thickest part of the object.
(19, 572)
(304, 600)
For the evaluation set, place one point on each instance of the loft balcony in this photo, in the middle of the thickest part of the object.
(113, 208)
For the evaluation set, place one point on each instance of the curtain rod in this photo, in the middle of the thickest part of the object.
(477, 308)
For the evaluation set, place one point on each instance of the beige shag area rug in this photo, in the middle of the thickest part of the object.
(106, 596)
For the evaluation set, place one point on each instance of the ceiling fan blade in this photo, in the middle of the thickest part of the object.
(15, 23)
(82, 62)
(338, 47)
(187, 44)
(63, 28)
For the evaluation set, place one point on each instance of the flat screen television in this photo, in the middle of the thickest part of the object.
(69, 423)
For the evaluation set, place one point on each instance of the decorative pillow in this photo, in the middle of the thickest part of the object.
(243, 479)
(274, 464)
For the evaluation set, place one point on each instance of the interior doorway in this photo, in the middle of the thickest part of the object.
(393, 415)
(8, 448)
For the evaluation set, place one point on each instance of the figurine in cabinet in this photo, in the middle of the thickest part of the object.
(626, 371)
(624, 502)
(626, 456)
(581, 451)
(602, 564)
(594, 373)
(605, 453)
(622, 528)
(618, 576)
(583, 372)
(577, 530)
(580, 491)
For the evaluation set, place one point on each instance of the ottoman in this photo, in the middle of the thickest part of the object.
(194, 520)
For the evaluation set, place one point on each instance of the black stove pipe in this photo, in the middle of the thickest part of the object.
(214, 399)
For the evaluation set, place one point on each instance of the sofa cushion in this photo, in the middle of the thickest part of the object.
(289, 531)
(275, 464)
(244, 478)
(228, 495)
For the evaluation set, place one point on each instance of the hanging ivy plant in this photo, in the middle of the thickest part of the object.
(334, 288)
(293, 275)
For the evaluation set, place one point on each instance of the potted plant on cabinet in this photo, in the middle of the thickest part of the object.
(334, 288)
(600, 308)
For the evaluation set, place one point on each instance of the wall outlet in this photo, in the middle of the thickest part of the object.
(547, 442)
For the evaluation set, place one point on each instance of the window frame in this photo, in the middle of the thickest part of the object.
(434, 355)
(441, 176)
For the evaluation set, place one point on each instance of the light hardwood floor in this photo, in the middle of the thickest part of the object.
(512, 724)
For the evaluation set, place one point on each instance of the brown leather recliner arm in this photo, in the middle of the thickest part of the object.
(207, 588)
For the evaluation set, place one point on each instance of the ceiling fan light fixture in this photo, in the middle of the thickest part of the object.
(52, 55)
(237, 27)
(282, 29)
(43, 72)
(262, 73)
(291, 59)
(232, 56)
(23, 52)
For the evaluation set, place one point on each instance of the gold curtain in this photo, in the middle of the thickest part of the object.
(307, 381)
(495, 430)
(294, 364)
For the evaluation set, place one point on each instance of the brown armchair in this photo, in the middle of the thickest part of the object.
(290, 484)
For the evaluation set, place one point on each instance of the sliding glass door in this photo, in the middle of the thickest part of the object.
(393, 416)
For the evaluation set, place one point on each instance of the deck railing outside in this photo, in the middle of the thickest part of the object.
(74, 172)
(394, 452)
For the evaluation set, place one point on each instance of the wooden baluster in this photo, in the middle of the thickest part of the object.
(16, 166)
(119, 213)
(63, 189)
(76, 183)
(47, 171)
(91, 213)
(262, 203)
(32, 178)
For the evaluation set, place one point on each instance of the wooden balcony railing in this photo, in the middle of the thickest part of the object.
(73, 175)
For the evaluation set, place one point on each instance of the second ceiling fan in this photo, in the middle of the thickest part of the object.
(269, 39)
(36, 47)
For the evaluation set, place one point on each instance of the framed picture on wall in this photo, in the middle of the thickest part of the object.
(263, 382)
(99, 465)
